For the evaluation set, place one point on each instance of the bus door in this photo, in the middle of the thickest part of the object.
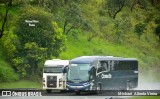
(103, 73)
(107, 74)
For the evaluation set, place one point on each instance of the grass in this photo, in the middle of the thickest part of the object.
(80, 46)
(146, 97)
(21, 84)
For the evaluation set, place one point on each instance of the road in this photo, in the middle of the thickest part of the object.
(68, 97)
(71, 95)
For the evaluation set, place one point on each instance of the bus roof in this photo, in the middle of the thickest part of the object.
(90, 59)
(56, 62)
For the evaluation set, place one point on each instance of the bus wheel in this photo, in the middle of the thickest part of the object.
(77, 92)
(48, 90)
(98, 91)
(62, 91)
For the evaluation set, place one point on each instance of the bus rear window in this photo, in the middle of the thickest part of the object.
(52, 69)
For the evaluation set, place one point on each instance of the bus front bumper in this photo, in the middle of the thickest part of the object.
(80, 87)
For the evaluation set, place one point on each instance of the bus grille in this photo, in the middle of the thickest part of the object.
(52, 81)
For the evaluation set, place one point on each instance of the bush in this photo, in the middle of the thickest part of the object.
(157, 31)
(139, 29)
(7, 74)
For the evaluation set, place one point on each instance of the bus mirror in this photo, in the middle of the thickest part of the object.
(65, 69)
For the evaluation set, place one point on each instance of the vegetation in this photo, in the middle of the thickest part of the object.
(37, 30)
(39, 38)
(21, 84)
(146, 97)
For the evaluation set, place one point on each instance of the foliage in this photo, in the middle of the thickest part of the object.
(157, 31)
(114, 7)
(7, 74)
(139, 29)
(121, 28)
(39, 39)
(72, 20)
(67, 12)
(4, 17)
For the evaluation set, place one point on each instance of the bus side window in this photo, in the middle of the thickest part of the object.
(116, 67)
(102, 66)
(108, 65)
(113, 63)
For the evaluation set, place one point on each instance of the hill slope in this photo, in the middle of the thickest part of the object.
(108, 36)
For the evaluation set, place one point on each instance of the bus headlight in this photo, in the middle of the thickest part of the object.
(87, 84)
(60, 82)
(43, 80)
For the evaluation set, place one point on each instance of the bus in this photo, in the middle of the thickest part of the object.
(97, 73)
(54, 75)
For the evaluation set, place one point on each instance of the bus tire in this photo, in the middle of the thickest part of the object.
(48, 90)
(62, 91)
(99, 88)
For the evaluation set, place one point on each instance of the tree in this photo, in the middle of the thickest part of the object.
(8, 4)
(142, 4)
(157, 31)
(114, 7)
(39, 38)
(67, 13)
(139, 29)
(154, 2)
(73, 18)
(122, 27)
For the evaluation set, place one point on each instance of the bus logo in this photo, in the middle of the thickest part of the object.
(6, 93)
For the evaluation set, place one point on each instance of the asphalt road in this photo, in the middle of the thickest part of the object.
(68, 97)
(83, 95)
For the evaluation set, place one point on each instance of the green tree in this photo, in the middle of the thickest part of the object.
(39, 38)
(143, 4)
(73, 18)
(122, 27)
(68, 13)
(139, 29)
(4, 15)
(157, 31)
(114, 7)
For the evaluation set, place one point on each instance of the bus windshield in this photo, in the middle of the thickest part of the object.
(53, 69)
(78, 73)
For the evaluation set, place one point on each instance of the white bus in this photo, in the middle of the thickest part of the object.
(54, 75)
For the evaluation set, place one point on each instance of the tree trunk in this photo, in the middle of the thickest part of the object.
(119, 10)
(69, 29)
(9, 2)
(4, 22)
(1, 34)
(64, 27)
